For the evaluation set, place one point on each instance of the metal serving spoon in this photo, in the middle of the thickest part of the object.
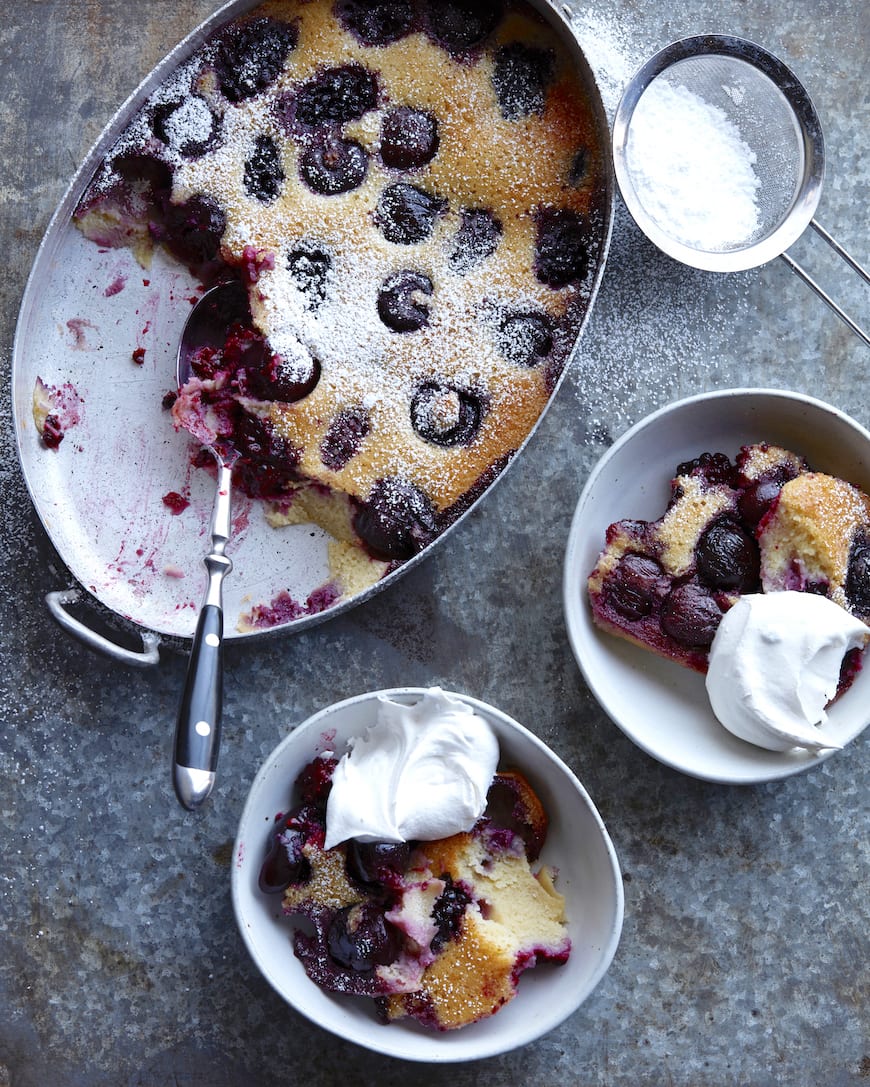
(198, 726)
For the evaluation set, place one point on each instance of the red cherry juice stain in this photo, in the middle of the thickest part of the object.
(241, 520)
(327, 740)
(78, 326)
(115, 287)
(284, 609)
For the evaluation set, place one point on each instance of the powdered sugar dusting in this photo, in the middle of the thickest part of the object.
(692, 172)
(609, 50)
(658, 327)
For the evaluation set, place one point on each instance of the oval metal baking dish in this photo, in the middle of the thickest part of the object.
(99, 495)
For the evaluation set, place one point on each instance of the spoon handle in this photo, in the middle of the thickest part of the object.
(198, 726)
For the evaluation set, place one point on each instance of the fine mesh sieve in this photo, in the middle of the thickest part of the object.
(766, 127)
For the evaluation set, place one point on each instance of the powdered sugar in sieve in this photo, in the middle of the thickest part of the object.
(719, 156)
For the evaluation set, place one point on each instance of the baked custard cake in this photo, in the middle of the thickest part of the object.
(412, 193)
(435, 931)
(763, 523)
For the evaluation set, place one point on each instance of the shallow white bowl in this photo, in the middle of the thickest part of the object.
(577, 844)
(660, 705)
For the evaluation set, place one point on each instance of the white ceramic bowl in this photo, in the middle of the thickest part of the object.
(662, 706)
(577, 844)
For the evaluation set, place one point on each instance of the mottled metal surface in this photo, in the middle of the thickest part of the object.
(744, 953)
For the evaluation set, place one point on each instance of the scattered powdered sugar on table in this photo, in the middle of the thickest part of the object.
(692, 172)
(659, 329)
(606, 47)
(656, 328)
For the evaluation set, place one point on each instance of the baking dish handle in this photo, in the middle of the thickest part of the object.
(57, 602)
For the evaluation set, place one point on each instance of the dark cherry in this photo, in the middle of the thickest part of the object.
(561, 252)
(176, 503)
(396, 521)
(310, 266)
(361, 938)
(194, 229)
(250, 359)
(254, 438)
(445, 414)
(376, 22)
(336, 95)
(52, 431)
(690, 615)
(727, 557)
(511, 805)
(267, 460)
(757, 499)
(205, 362)
(760, 496)
(857, 585)
(520, 77)
(331, 164)
(476, 239)
(409, 138)
(264, 174)
(315, 780)
(285, 862)
(525, 338)
(343, 437)
(633, 587)
(380, 863)
(188, 126)
(460, 25)
(271, 378)
(399, 303)
(407, 214)
(714, 469)
(251, 55)
(145, 172)
(448, 911)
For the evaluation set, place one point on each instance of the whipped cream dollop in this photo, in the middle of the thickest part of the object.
(420, 772)
(775, 665)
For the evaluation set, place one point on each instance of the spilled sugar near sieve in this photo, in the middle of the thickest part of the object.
(719, 155)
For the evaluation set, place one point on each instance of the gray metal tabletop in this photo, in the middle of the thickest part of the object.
(744, 954)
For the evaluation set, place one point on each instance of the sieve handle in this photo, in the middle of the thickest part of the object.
(840, 251)
(825, 297)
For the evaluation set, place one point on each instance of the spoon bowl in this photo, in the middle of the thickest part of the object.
(220, 307)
